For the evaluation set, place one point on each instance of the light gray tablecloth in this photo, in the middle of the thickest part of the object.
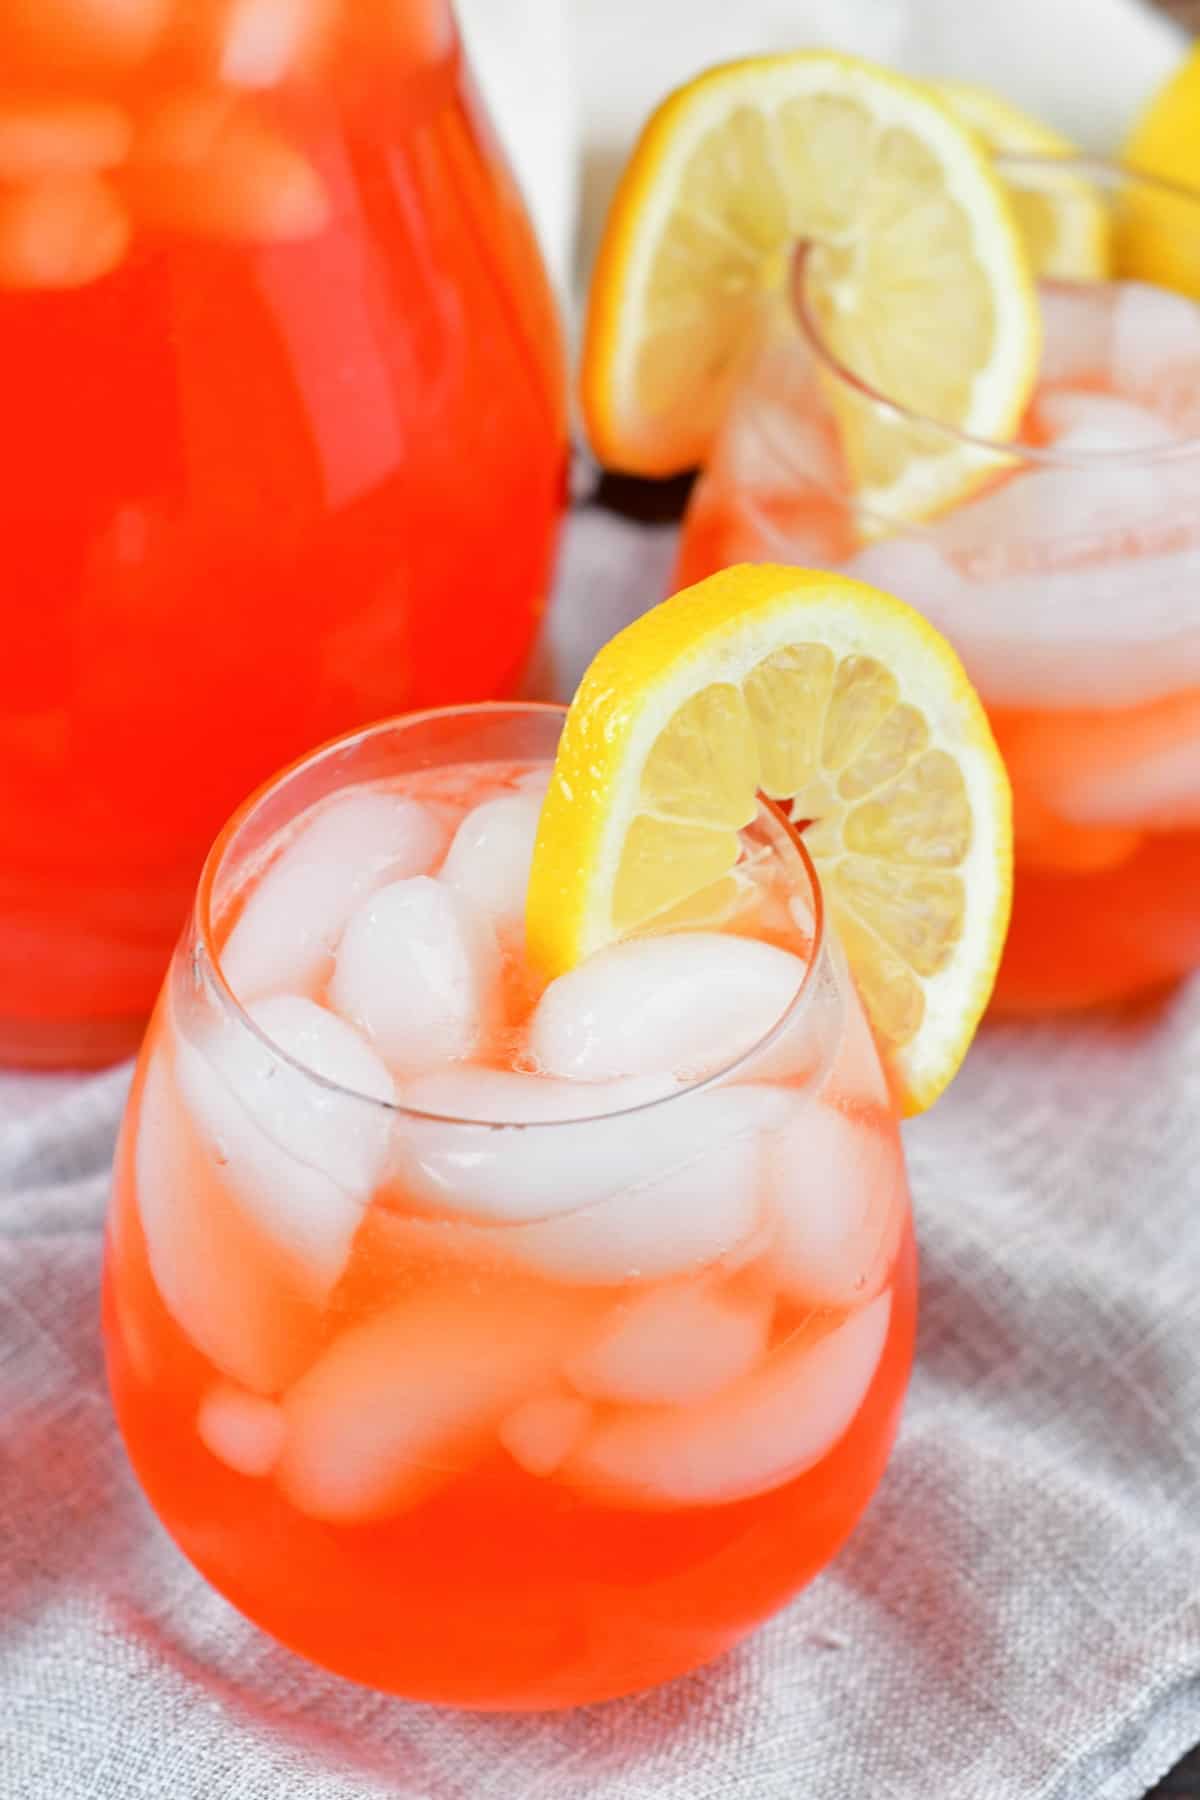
(1017, 1619)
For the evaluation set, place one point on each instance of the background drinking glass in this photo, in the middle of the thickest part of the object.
(285, 426)
(498, 1413)
(1067, 578)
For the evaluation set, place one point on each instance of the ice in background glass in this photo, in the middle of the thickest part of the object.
(1068, 582)
(284, 420)
(493, 1343)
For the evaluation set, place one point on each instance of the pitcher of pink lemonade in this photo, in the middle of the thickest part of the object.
(284, 407)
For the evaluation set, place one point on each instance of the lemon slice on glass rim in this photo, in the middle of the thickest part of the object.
(1061, 215)
(920, 280)
(848, 708)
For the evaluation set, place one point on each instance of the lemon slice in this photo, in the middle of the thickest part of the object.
(1061, 215)
(919, 278)
(836, 700)
(1158, 238)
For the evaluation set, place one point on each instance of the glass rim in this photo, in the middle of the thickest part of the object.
(205, 948)
(1097, 168)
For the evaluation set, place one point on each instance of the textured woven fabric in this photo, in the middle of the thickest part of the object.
(1018, 1618)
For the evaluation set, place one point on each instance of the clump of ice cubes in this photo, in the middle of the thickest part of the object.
(289, 927)
(1067, 584)
(625, 1237)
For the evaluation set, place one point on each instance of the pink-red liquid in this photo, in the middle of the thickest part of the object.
(286, 449)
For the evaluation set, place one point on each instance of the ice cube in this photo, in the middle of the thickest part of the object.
(488, 862)
(262, 43)
(672, 1345)
(542, 1432)
(638, 1195)
(1156, 353)
(399, 1406)
(670, 1225)
(701, 1211)
(1037, 512)
(1139, 770)
(1077, 326)
(415, 971)
(1086, 421)
(228, 1288)
(537, 1147)
(319, 1041)
(755, 1435)
(1159, 792)
(289, 928)
(474, 1157)
(241, 1429)
(300, 1155)
(686, 1004)
(837, 1198)
(1099, 615)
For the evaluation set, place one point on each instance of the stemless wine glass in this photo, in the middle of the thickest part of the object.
(475, 1384)
(1065, 575)
(284, 411)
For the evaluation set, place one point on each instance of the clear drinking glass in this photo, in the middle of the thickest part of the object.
(481, 1385)
(1067, 578)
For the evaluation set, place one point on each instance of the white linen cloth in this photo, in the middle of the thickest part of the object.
(1018, 1618)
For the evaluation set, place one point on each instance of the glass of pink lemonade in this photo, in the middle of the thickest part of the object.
(1066, 579)
(489, 1341)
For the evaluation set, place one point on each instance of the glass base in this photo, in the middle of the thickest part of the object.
(66, 1044)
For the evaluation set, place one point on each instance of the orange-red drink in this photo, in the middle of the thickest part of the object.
(1066, 578)
(285, 444)
(490, 1341)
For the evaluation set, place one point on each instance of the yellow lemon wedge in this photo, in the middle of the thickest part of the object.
(918, 274)
(1062, 216)
(1158, 233)
(848, 708)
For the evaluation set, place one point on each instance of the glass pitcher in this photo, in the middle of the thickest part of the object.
(285, 420)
